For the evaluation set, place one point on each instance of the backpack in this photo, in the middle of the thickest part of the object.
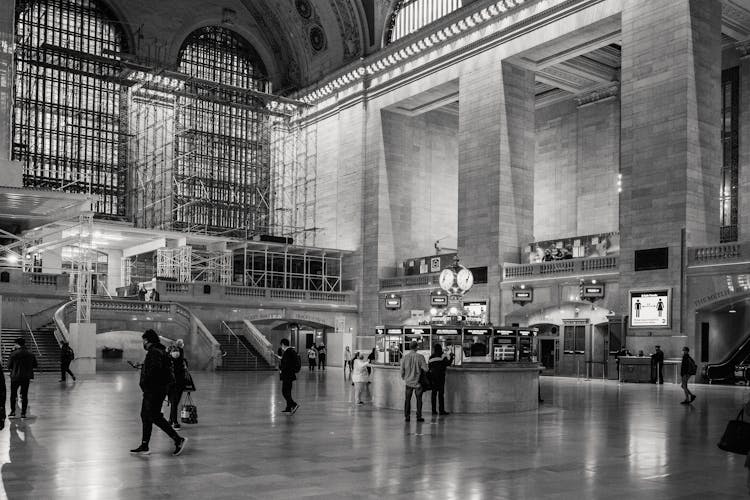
(692, 368)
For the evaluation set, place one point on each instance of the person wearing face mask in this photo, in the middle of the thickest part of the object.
(177, 357)
(156, 377)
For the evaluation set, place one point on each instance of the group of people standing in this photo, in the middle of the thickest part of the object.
(414, 368)
(316, 356)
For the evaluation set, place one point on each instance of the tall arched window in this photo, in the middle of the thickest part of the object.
(222, 162)
(66, 129)
(411, 15)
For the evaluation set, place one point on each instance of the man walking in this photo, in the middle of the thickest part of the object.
(21, 366)
(66, 357)
(288, 368)
(156, 377)
(411, 367)
(688, 368)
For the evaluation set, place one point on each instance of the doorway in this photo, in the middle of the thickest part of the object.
(548, 355)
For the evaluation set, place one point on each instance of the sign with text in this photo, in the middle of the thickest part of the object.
(523, 295)
(650, 308)
(393, 302)
(592, 292)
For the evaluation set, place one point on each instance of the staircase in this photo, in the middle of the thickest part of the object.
(240, 354)
(48, 356)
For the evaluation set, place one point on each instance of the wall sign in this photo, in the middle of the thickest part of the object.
(393, 301)
(592, 291)
(523, 295)
(650, 308)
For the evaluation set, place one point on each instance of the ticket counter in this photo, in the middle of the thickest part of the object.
(470, 388)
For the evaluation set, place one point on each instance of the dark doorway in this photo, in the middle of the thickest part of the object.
(547, 354)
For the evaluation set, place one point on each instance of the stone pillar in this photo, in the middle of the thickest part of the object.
(670, 162)
(10, 173)
(495, 168)
(743, 184)
(82, 338)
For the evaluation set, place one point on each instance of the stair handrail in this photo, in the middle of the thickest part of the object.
(261, 343)
(33, 337)
(45, 313)
(61, 330)
(201, 332)
(248, 353)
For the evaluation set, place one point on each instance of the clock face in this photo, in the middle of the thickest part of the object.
(465, 279)
(446, 279)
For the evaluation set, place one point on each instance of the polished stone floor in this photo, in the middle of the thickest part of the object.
(590, 439)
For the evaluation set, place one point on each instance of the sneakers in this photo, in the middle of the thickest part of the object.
(23, 415)
(12, 414)
(420, 419)
(141, 450)
(444, 413)
(360, 403)
(287, 411)
(294, 410)
(176, 425)
(407, 419)
(686, 402)
(179, 446)
(692, 398)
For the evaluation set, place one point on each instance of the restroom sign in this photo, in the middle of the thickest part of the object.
(650, 308)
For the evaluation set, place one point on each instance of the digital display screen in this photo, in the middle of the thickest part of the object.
(650, 308)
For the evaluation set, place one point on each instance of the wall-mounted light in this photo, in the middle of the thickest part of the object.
(619, 183)
(732, 310)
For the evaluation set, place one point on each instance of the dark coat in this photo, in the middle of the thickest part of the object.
(438, 366)
(21, 364)
(2, 392)
(66, 354)
(178, 366)
(155, 370)
(684, 365)
(288, 365)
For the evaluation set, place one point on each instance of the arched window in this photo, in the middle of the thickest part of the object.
(222, 169)
(66, 129)
(411, 15)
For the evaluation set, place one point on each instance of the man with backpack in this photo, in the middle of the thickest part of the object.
(288, 368)
(156, 378)
(688, 368)
(66, 357)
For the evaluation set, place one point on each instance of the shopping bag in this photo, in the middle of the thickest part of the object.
(736, 438)
(425, 382)
(189, 384)
(189, 412)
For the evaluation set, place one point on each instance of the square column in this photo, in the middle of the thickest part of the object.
(670, 142)
(743, 182)
(10, 173)
(83, 342)
(495, 168)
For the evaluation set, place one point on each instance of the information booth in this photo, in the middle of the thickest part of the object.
(389, 341)
(514, 344)
(476, 345)
(421, 335)
(451, 340)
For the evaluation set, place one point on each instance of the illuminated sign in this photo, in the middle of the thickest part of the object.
(438, 298)
(446, 331)
(393, 301)
(523, 295)
(592, 291)
(650, 308)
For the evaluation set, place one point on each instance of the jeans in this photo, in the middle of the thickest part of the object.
(286, 391)
(311, 362)
(24, 386)
(175, 395)
(65, 369)
(438, 393)
(151, 415)
(322, 362)
(407, 402)
(685, 389)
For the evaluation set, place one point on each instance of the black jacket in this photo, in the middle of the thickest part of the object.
(66, 354)
(2, 392)
(156, 370)
(178, 366)
(21, 364)
(288, 365)
(438, 367)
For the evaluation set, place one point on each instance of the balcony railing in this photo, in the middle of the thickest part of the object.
(726, 253)
(555, 268)
(419, 280)
(234, 294)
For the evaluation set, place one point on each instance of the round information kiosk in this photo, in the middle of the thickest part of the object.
(492, 373)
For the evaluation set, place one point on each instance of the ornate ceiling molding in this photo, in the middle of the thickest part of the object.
(412, 46)
(611, 89)
(349, 28)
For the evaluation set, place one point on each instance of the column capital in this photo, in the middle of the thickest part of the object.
(610, 89)
(743, 48)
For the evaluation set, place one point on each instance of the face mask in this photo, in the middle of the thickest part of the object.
(175, 354)
(145, 346)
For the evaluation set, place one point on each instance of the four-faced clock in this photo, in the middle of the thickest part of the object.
(465, 279)
(446, 279)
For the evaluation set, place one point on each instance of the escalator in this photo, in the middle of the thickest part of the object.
(725, 370)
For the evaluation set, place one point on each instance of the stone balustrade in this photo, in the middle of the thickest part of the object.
(726, 253)
(569, 267)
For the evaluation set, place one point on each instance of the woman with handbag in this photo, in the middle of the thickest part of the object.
(179, 366)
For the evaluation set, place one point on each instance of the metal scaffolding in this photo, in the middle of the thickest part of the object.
(174, 263)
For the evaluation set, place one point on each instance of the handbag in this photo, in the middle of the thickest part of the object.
(189, 384)
(736, 438)
(189, 412)
(425, 382)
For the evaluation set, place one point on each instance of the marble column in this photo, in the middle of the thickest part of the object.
(10, 172)
(495, 168)
(670, 144)
(743, 184)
